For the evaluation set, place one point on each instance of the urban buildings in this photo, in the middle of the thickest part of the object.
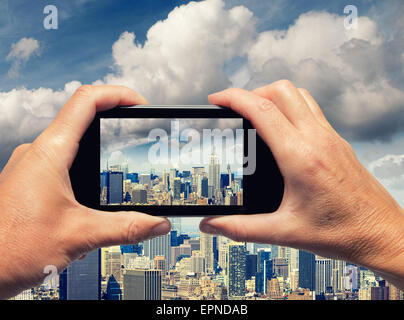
(178, 266)
(199, 186)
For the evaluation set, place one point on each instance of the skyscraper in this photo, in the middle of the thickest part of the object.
(139, 196)
(236, 268)
(307, 270)
(159, 246)
(177, 188)
(206, 241)
(115, 187)
(338, 275)
(173, 175)
(251, 266)
(214, 173)
(142, 284)
(83, 278)
(125, 169)
(323, 274)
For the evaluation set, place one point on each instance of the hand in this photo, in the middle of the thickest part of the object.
(332, 205)
(41, 223)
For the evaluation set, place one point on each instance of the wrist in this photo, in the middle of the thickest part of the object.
(384, 243)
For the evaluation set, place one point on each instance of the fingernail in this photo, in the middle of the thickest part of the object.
(161, 229)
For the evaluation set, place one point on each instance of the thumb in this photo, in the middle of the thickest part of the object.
(97, 229)
(261, 228)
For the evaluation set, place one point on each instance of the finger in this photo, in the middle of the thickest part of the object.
(315, 108)
(62, 137)
(263, 114)
(264, 228)
(289, 100)
(17, 154)
(96, 229)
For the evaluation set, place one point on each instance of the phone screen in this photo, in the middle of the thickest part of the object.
(171, 161)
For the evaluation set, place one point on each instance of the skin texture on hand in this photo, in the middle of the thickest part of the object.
(332, 205)
(41, 223)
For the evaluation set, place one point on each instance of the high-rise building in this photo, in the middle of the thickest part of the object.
(125, 169)
(280, 267)
(197, 262)
(159, 246)
(307, 270)
(266, 275)
(141, 284)
(177, 188)
(230, 184)
(394, 292)
(83, 278)
(323, 274)
(206, 248)
(236, 268)
(204, 187)
(139, 196)
(214, 172)
(338, 276)
(225, 179)
(381, 292)
(113, 262)
(222, 252)
(165, 180)
(173, 175)
(145, 179)
(115, 187)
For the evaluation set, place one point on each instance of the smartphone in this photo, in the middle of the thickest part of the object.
(179, 160)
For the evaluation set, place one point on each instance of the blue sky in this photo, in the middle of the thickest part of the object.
(81, 48)
(357, 77)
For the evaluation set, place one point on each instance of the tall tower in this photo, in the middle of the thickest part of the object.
(229, 173)
(159, 246)
(206, 244)
(125, 169)
(214, 172)
(323, 274)
(307, 270)
(236, 268)
(83, 278)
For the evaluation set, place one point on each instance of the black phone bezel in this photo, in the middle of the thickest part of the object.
(262, 191)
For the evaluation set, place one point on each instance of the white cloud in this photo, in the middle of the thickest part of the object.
(346, 71)
(389, 170)
(183, 57)
(24, 113)
(20, 53)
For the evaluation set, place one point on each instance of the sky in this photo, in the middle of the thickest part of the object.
(178, 52)
(163, 144)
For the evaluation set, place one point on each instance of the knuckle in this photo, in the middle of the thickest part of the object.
(312, 163)
(283, 85)
(21, 148)
(132, 232)
(84, 90)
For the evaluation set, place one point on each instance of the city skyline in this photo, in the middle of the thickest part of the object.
(179, 267)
